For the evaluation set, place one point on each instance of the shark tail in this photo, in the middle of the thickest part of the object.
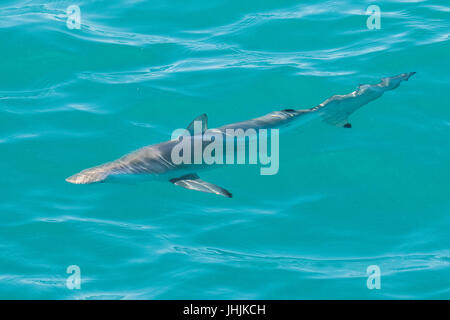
(338, 108)
(91, 175)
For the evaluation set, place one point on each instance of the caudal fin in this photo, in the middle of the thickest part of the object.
(338, 108)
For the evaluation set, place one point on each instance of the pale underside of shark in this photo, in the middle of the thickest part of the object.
(155, 161)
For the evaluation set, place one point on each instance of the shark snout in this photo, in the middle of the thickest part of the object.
(87, 176)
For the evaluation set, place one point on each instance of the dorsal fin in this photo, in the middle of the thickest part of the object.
(203, 118)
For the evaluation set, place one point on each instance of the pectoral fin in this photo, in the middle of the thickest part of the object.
(193, 182)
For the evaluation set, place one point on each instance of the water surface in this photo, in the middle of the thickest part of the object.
(377, 194)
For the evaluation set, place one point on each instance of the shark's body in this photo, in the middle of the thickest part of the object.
(155, 161)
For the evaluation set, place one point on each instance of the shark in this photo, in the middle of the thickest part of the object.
(155, 161)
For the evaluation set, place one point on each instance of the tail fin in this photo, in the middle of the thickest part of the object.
(338, 108)
(91, 175)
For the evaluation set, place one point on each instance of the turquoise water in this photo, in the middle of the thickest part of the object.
(344, 199)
